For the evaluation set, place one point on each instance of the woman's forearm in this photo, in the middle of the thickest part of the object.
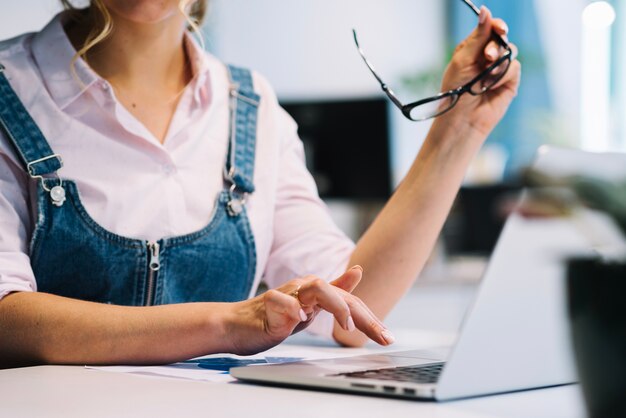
(397, 245)
(39, 328)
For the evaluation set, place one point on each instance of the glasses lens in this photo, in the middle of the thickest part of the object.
(492, 77)
(433, 108)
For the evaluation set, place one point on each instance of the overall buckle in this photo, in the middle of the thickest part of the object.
(57, 193)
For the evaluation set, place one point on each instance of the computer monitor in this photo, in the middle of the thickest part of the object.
(477, 218)
(347, 146)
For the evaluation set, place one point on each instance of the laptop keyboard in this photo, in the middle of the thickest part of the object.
(415, 374)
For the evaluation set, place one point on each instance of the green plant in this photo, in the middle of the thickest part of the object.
(554, 196)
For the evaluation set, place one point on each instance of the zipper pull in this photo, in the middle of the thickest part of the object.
(155, 262)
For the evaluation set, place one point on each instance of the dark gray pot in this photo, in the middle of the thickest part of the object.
(597, 308)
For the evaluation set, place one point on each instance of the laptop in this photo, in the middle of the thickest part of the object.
(515, 335)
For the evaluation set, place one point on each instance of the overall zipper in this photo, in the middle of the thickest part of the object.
(153, 267)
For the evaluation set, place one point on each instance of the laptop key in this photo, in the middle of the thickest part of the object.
(415, 374)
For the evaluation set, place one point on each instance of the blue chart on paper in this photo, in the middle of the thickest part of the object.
(224, 364)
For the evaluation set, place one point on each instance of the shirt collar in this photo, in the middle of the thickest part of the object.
(53, 52)
(199, 68)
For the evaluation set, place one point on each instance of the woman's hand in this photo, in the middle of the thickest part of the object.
(260, 323)
(471, 57)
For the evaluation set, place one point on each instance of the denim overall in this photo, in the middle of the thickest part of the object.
(75, 257)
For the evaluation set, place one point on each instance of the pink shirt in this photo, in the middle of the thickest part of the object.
(136, 187)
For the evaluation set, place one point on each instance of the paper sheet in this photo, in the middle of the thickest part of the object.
(215, 368)
(211, 369)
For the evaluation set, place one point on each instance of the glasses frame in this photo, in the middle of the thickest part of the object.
(454, 94)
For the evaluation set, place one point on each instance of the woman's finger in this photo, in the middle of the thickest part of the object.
(512, 76)
(368, 310)
(476, 42)
(281, 306)
(480, 41)
(317, 292)
(368, 324)
(365, 320)
(500, 27)
(351, 300)
(492, 51)
(514, 50)
(349, 280)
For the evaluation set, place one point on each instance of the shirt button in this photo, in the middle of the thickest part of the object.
(104, 85)
(168, 169)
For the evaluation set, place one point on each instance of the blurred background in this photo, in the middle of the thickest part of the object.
(359, 146)
(573, 94)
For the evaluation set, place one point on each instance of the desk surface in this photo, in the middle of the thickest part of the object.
(63, 391)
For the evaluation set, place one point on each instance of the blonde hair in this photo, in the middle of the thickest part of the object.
(102, 22)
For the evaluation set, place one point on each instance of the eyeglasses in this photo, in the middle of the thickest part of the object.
(443, 102)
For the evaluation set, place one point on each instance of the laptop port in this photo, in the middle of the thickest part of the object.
(410, 392)
(389, 389)
(362, 386)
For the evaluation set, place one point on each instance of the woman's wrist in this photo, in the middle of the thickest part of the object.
(450, 138)
(454, 128)
(239, 328)
(220, 324)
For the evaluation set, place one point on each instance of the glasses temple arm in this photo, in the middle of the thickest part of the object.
(383, 85)
(472, 6)
(369, 65)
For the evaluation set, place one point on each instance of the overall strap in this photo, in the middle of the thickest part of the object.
(22, 131)
(244, 104)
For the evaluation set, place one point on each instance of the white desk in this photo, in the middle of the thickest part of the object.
(61, 391)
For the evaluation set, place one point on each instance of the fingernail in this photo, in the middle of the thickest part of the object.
(350, 324)
(388, 336)
(303, 315)
(505, 27)
(357, 267)
(492, 52)
(482, 17)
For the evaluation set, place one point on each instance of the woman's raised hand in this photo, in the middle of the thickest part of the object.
(260, 323)
(471, 57)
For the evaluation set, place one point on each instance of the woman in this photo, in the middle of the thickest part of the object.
(154, 133)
